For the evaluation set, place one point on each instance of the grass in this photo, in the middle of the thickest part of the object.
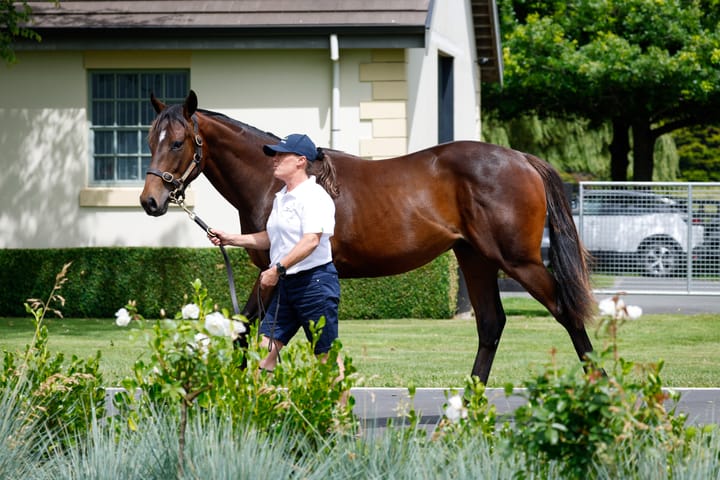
(434, 353)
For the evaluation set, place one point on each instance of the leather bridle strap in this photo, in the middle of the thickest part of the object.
(179, 183)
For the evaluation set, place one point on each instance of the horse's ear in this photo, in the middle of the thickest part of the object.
(157, 104)
(191, 103)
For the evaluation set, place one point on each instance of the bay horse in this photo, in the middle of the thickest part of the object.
(485, 202)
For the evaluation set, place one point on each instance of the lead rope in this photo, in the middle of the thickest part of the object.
(262, 312)
(231, 279)
(228, 266)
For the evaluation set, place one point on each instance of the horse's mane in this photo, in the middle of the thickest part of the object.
(174, 113)
(239, 124)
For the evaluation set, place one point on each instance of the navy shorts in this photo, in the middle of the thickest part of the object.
(305, 297)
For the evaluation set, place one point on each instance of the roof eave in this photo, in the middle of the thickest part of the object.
(261, 37)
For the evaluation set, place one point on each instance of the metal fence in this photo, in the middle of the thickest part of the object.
(651, 237)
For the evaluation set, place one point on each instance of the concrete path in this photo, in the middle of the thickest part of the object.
(378, 405)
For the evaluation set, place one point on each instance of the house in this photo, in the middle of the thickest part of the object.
(374, 78)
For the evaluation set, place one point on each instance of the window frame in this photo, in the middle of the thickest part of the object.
(139, 98)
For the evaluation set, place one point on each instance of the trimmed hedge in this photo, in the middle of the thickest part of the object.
(101, 280)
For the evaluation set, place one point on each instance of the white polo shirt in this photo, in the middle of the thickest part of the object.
(307, 209)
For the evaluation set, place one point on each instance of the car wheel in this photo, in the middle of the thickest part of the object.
(659, 257)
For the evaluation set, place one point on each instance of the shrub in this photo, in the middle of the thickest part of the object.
(156, 278)
(194, 370)
(579, 419)
(243, 423)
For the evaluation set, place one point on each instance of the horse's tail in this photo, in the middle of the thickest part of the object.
(568, 257)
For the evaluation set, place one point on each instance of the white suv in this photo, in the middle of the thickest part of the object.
(636, 230)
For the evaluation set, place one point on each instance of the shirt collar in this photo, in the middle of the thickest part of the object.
(304, 185)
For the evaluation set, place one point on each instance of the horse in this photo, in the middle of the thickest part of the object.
(486, 203)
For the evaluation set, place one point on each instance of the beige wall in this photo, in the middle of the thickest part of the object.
(388, 107)
(44, 141)
(386, 110)
(284, 92)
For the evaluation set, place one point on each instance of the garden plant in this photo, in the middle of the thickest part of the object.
(190, 412)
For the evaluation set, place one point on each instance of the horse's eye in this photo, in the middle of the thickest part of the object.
(177, 145)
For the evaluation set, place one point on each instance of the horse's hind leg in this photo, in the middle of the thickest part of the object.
(543, 287)
(481, 281)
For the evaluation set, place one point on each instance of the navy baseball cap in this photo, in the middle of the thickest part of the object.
(296, 143)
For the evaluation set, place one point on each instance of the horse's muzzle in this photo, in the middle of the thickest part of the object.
(152, 206)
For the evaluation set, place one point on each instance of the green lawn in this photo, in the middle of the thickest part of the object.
(434, 353)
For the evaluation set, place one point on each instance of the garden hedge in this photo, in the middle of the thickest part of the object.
(101, 280)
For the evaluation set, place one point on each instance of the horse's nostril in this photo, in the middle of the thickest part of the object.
(149, 204)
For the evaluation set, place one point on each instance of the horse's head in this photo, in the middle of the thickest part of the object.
(176, 148)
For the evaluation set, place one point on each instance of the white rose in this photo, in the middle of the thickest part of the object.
(220, 326)
(237, 329)
(607, 307)
(216, 324)
(122, 318)
(633, 311)
(455, 409)
(191, 311)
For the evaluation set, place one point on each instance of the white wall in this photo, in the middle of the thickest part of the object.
(452, 34)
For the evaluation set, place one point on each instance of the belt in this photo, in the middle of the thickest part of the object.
(308, 271)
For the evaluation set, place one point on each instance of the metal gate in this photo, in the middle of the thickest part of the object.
(651, 237)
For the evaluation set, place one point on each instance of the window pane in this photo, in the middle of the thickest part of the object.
(127, 113)
(128, 85)
(151, 83)
(127, 168)
(145, 164)
(103, 142)
(103, 113)
(176, 85)
(145, 146)
(103, 168)
(103, 85)
(127, 142)
(147, 112)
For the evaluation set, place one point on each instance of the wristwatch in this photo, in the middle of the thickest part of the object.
(281, 269)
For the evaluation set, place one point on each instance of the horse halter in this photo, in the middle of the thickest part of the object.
(178, 194)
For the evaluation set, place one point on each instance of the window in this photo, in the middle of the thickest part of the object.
(120, 118)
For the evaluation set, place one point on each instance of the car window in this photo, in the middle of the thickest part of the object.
(592, 205)
(616, 202)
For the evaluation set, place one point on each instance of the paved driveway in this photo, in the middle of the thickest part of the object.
(661, 302)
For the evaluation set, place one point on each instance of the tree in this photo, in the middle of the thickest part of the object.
(14, 16)
(645, 67)
(698, 148)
